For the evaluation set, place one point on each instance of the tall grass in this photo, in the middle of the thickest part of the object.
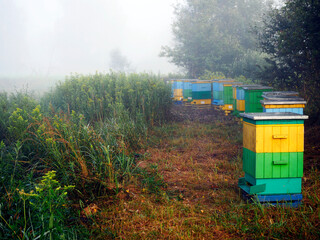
(87, 130)
(96, 96)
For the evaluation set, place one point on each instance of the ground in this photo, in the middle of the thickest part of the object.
(194, 164)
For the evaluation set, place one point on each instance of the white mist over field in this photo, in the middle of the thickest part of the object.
(41, 40)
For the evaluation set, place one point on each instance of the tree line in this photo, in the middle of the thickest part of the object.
(275, 43)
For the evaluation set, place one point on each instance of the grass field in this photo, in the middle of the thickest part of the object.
(84, 163)
(195, 195)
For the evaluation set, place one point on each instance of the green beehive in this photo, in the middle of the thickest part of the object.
(227, 94)
(252, 97)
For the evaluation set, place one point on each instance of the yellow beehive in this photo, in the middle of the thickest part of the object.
(241, 105)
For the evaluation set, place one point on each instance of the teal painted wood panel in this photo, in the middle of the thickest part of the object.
(276, 186)
(201, 95)
(273, 165)
(273, 122)
(187, 93)
(217, 95)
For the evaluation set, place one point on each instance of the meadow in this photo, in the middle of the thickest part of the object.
(107, 156)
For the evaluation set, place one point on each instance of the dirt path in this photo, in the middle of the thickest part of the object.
(197, 159)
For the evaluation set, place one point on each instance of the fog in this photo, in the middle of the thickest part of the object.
(47, 39)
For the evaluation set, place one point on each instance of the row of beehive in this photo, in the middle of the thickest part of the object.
(233, 96)
(204, 92)
(191, 90)
(273, 140)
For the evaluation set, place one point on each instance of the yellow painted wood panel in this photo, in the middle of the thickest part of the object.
(249, 136)
(284, 106)
(178, 94)
(241, 105)
(273, 138)
(201, 101)
(227, 107)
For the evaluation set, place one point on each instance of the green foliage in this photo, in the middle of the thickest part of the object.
(18, 124)
(290, 36)
(39, 213)
(14, 105)
(96, 96)
(249, 64)
(213, 35)
(212, 75)
(48, 203)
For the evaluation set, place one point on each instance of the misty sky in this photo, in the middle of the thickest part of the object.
(56, 37)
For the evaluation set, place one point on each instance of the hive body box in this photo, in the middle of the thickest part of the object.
(218, 90)
(234, 96)
(273, 145)
(177, 90)
(229, 96)
(201, 92)
(239, 94)
(187, 91)
(253, 96)
(283, 102)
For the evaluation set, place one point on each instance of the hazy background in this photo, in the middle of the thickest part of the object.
(44, 40)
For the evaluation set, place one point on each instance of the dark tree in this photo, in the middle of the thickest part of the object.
(291, 37)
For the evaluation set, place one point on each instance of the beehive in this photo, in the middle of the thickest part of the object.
(273, 145)
(177, 90)
(218, 90)
(228, 95)
(252, 97)
(187, 90)
(234, 96)
(201, 92)
(282, 102)
(240, 97)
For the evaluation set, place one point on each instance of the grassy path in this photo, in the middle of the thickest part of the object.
(193, 192)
